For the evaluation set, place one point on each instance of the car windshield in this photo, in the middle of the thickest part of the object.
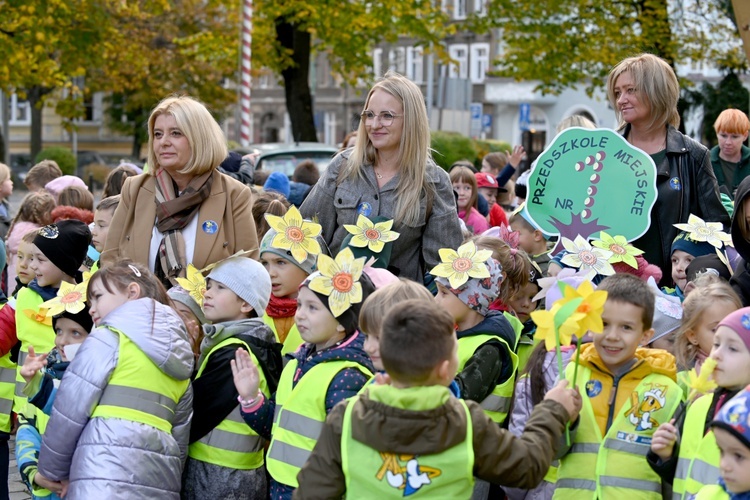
(287, 162)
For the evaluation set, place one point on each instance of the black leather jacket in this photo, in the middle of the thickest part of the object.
(685, 184)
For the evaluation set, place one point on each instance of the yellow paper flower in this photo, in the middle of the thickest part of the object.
(591, 307)
(621, 250)
(70, 298)
(39, 316)
(545, 326)
(371, 235)
(583, 256)
(194, 284)
(339, 280)
(702, 384)
(460, 265)
(295, 234)
(711, 232)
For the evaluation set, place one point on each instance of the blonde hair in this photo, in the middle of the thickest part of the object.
(699, 300)
(4, 172)
(465, 175)
(43, 172)
(36, 208)
(575, 121)
(655, 84)
(516, 264)
(413, 150)
(376, 306)
(208, 146)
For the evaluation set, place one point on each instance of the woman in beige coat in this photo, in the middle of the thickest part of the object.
(183, 210)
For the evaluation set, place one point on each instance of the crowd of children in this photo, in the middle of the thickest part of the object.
(313, 373)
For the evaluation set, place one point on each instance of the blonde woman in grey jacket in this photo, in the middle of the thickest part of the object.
(390, 173)
(121, 419)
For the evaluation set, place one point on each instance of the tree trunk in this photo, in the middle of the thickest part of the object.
(35, 95)
(654, 21)
(137, 141)
(296, 80)
(742, 20)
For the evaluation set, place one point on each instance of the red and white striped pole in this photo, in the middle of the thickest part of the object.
(246, 117)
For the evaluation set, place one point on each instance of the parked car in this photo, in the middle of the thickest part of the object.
(284, 157)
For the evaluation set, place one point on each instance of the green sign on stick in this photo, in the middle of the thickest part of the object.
(588, 181)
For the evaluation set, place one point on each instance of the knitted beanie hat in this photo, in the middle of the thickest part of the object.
(278, 182)
(734, 416)
(685, 243)
(82, 317)
(266, 246)
(179, 294)
(247, 278)
(644, 270)
(65, 244)
(479, 293)
(739, 322)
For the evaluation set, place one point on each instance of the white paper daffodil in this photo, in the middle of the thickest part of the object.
(584, 256)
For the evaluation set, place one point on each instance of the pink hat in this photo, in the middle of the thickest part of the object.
(55, 186)
(739, 321)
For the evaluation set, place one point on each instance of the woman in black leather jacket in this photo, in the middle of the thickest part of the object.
(644, 90)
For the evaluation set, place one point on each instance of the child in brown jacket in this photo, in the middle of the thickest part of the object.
(412, 437)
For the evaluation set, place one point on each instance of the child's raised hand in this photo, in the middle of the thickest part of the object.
(569, 398)
(663, 440)
(246, 378)
(33, 364)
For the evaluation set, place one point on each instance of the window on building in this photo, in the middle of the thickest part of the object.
(459, 9)
(458, 68)
(414, 64)
(480, 62)
(377, 62)
(397, 60)
(20, 111)
(480, 7)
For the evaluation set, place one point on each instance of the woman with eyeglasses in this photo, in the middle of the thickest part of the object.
(390, 173)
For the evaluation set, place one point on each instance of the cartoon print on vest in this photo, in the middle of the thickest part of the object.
(409, 477)
(640, 414)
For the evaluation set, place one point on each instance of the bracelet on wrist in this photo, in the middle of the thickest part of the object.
(246, 403)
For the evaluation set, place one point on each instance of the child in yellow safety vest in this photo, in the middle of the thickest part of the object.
(329, 367)
(413, 439)
(225, 459)
(692, 461)
(733, 438)
(72, 323)
(287, 271)
(121, 418)
(628, 391)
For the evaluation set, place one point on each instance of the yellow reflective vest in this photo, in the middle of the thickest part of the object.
(698, 461)
(232, 443)
(299, 417)
(712, 492)
(497, 404)
(372, 474)
(138, 391)
(614, 465)
(30, 332)
(293, 339)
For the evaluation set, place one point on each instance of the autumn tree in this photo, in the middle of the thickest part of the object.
(287, 33)
(565, 43)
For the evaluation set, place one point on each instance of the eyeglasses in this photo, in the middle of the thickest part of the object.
(386, 117)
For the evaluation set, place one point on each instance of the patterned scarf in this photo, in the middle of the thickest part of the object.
(173, 213)
(281, 307)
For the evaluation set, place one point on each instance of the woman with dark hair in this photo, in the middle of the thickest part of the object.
(644, 91)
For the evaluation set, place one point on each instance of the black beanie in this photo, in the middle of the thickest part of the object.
(82, 317)
(65, 244)
(349, 319)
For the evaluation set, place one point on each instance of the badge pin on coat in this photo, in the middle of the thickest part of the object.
(210, 227)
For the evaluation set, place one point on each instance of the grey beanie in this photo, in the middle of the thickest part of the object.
(308, 265)
(247, 278)
(179, 294)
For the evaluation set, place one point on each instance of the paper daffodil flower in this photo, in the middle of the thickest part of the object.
(590, 308)
(70, 298)
(339, 280)
(702, 384)
(194, 284)
(621, 250)
(711, 232)
(295, 234)
(371, 235)
(39, 316)
(545, 325)
(582, 255)
(460, 265)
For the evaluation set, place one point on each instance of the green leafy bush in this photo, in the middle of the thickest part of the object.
(449, 147)
(64, 158)
(485, 146)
